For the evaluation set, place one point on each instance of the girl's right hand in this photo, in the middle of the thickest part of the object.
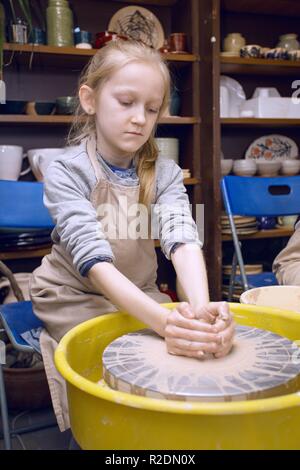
(187, 336)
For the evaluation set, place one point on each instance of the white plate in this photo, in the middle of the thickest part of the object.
(138, 23)
(272, 147)
(236, 94)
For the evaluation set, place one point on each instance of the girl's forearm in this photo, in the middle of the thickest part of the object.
(125, 295)
(190, 268)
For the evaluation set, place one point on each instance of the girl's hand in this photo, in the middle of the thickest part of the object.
(187, 335)
(223, 322)
(194, 333)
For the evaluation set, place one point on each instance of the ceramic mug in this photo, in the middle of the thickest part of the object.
(40, 159)
(178, 43)
(11, 159)
(287, 220)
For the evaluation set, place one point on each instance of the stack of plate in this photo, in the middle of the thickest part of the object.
(186, 173)
(238, 289)
(244, 225)
(249, 269)
(29, 239)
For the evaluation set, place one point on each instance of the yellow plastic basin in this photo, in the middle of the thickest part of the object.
(102, 418)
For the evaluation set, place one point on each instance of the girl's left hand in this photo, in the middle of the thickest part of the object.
(218, 314)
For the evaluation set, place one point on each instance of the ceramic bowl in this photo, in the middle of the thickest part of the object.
(40, 107)
(277, 53)
(287, 220)
(250, 50)
(13, 107)
(244, 167)
(290, 167)
(266, 223)
(284, 297)
(226, 166)
(268, 168)
(294, 54)
(66, 104)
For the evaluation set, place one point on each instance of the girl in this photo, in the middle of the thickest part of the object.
(96, 193)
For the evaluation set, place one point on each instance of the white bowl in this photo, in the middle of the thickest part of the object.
(290, 167)
(268, 168)
(243, 163)
(244, 167)
(226, 166)
(283, 297)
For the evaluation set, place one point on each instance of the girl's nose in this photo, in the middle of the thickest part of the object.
(139, 116)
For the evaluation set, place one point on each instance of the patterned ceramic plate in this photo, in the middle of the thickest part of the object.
(272, 147)
(138, 23)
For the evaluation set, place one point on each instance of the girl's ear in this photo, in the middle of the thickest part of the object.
(87, 100)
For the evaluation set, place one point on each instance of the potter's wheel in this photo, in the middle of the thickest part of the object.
(261, 364)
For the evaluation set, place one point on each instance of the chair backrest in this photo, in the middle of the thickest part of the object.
(258, 196)
(21, 205)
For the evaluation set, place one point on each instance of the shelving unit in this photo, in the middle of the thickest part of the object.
(42, 73)
(273, 233)
(24, 49)
(246, 66)
(67, 120)
(260, 23)
(259, 122)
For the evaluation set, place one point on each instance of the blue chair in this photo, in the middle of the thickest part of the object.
(21, 207)
(258, 197)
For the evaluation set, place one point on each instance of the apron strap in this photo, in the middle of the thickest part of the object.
(91, 151)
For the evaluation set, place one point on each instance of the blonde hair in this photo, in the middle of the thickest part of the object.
(102, 66)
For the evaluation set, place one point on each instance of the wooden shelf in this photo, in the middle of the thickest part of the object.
(257, 122)
(274, 233)
(59, 119)
(191, 181)
(240, 65)
(21, 254)
(52, 51)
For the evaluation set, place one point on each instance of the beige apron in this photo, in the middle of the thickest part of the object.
(62, 298)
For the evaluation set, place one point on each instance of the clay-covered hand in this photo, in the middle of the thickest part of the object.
(187, 335)
(223, 323)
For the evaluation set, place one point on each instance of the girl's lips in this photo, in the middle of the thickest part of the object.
(135, 133)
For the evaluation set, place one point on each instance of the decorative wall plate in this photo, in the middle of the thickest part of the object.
(272, 147)
(138, 23)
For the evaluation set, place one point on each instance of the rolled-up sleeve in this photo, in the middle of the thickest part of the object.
(76, 225)
(172, 213)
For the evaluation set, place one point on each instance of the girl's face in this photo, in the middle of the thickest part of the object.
(126, 110)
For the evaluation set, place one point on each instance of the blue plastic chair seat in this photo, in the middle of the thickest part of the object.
(257, 280)
(256, 196)
(17, 318)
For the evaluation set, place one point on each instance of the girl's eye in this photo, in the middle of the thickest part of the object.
(125, 103)
(153, 111)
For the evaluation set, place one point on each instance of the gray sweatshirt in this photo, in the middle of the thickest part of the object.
(69, 181)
